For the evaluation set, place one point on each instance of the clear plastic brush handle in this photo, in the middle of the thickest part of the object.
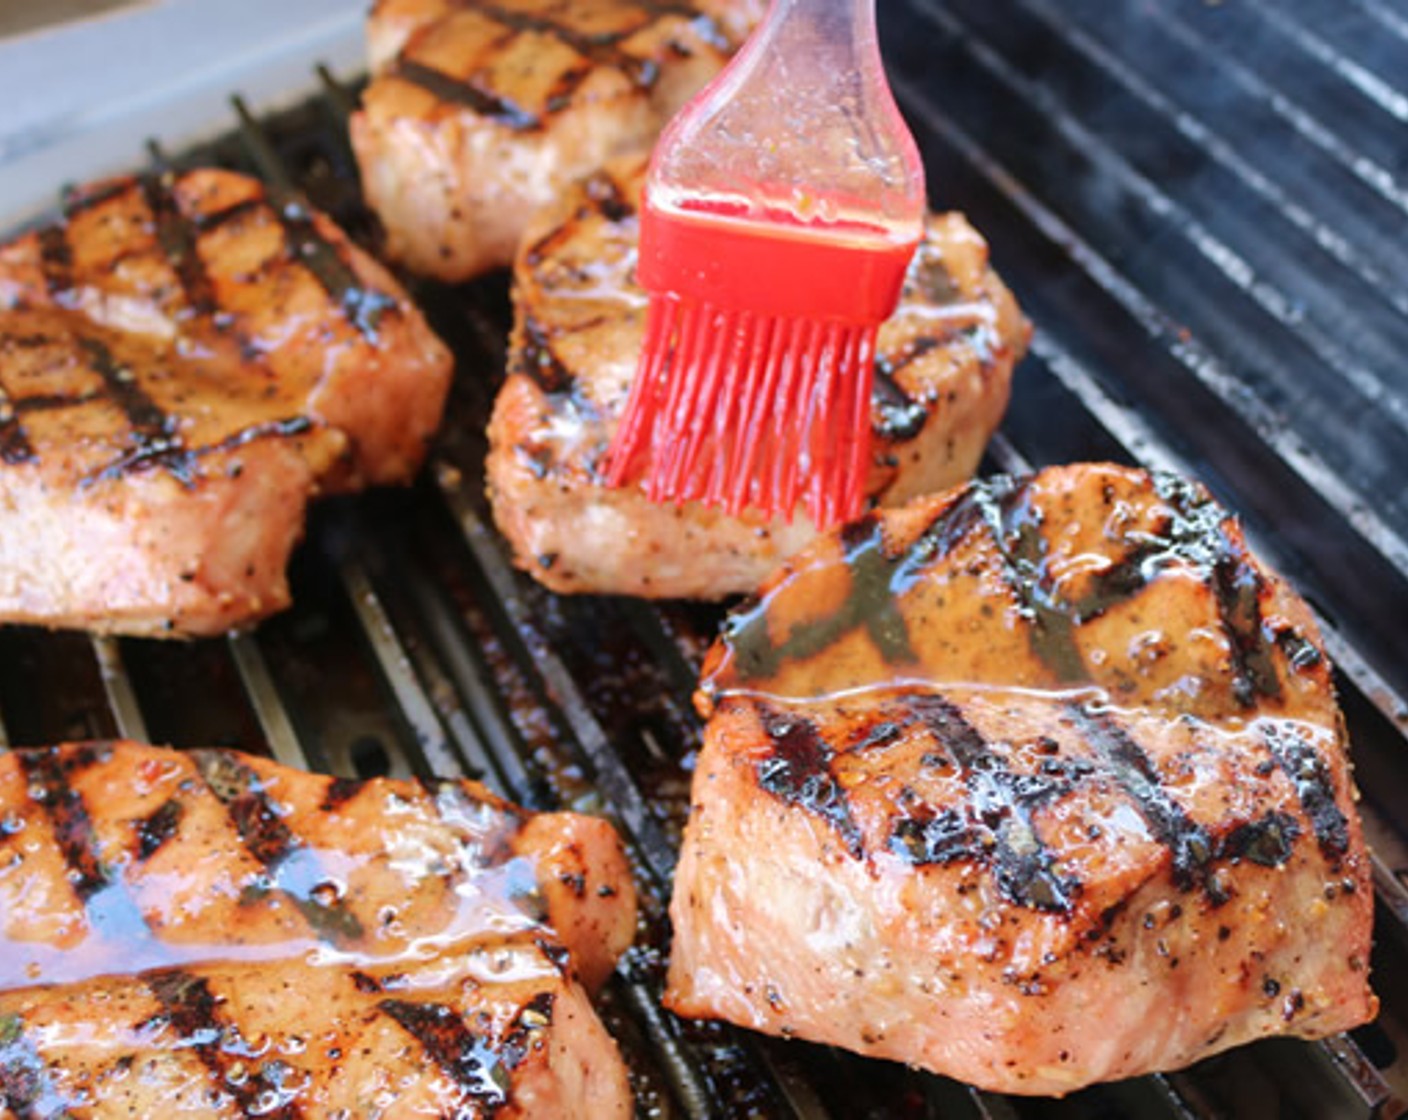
(800, 126)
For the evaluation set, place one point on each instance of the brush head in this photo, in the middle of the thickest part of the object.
(753, 387)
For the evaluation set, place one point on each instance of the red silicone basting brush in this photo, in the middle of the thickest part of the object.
(781, 209)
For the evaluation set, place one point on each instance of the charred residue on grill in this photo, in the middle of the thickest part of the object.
(481, 1067)
(1302, 764)
(192, 1011)
(363, 306)
(798, 773)
(26, 1087)
(994, 827)
(293, 869)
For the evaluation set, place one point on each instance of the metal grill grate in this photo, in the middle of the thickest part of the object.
(1203, 210)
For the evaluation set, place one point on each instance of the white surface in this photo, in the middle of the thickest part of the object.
(81, 99)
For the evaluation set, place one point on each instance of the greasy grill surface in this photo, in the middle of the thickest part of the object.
(1200, 206)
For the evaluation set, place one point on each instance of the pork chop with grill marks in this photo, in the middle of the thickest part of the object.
(185, 360)
(479, 114)
(1036, 783)
(942, 379)
(214, 931)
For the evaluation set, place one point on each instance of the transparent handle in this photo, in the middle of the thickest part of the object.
(800, 125)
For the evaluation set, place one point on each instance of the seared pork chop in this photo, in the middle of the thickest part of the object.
(185, 361)
(1035, 783)
(483, 112)
(943, 374)
(216, 929)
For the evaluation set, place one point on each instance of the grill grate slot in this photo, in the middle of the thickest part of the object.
(1182, 313)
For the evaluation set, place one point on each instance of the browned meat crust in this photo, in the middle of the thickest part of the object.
(942, 383)
(1036, 783)
(482, 113)
(214, 929)
(185, 361)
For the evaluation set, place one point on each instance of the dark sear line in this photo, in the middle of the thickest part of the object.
(56, 260)
(459, 91)
(208, 223)
(15, 447)
(50, 776)
(799, 773)
(1187, 841)
(193, 1013)
(897, 417)
(155, 434)
(540, 364)
(364, 306)
(480, 1067)
(294, 869)
(181, 461)
(158, 827)
(994, 828)
(1301, 762)
(1015, 523)
(176, 234)
(878, 579)
(108, 906)
(27, 1089)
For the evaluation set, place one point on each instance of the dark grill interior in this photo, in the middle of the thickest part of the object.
(1203, 209)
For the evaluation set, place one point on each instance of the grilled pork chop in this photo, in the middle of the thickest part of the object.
(1034, 783)
(482, 113)
(185, 360)
(942, 379)
(245, 938)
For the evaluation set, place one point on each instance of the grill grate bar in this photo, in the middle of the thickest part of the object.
(1382, 93)
(1372, 173)
(1186, 350)
(436, 755)
(117, 684)
(1199, 132)
(1232, 265)
(1385, 17)
(264, 698)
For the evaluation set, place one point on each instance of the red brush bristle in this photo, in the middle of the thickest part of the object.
(742, 411)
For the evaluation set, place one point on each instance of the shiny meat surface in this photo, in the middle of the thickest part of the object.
(480, 114)
(186, 360)
(235, 931)
(1036, 783)
(942, 383)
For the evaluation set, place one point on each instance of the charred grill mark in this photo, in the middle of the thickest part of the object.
(26, 1088)
(1315, 788)
(799, 773)
(176, 235)
(540, 363)
(207, 223)
(364, 307)
(159, 827)
(897, 417)
(459, 91)
(49, 774)
(56, 260)
(607, 197)
(108, 907)
(481, 1067)
(155, 436)
(1188, 842)
(1015, 522)
(339, 792)
(1268, 841)
(293, 868)
(181, 461)
(15, 447)
(77, 202)
(1238, 587)
(192, 1011)
(995, 827)
(53, 402)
